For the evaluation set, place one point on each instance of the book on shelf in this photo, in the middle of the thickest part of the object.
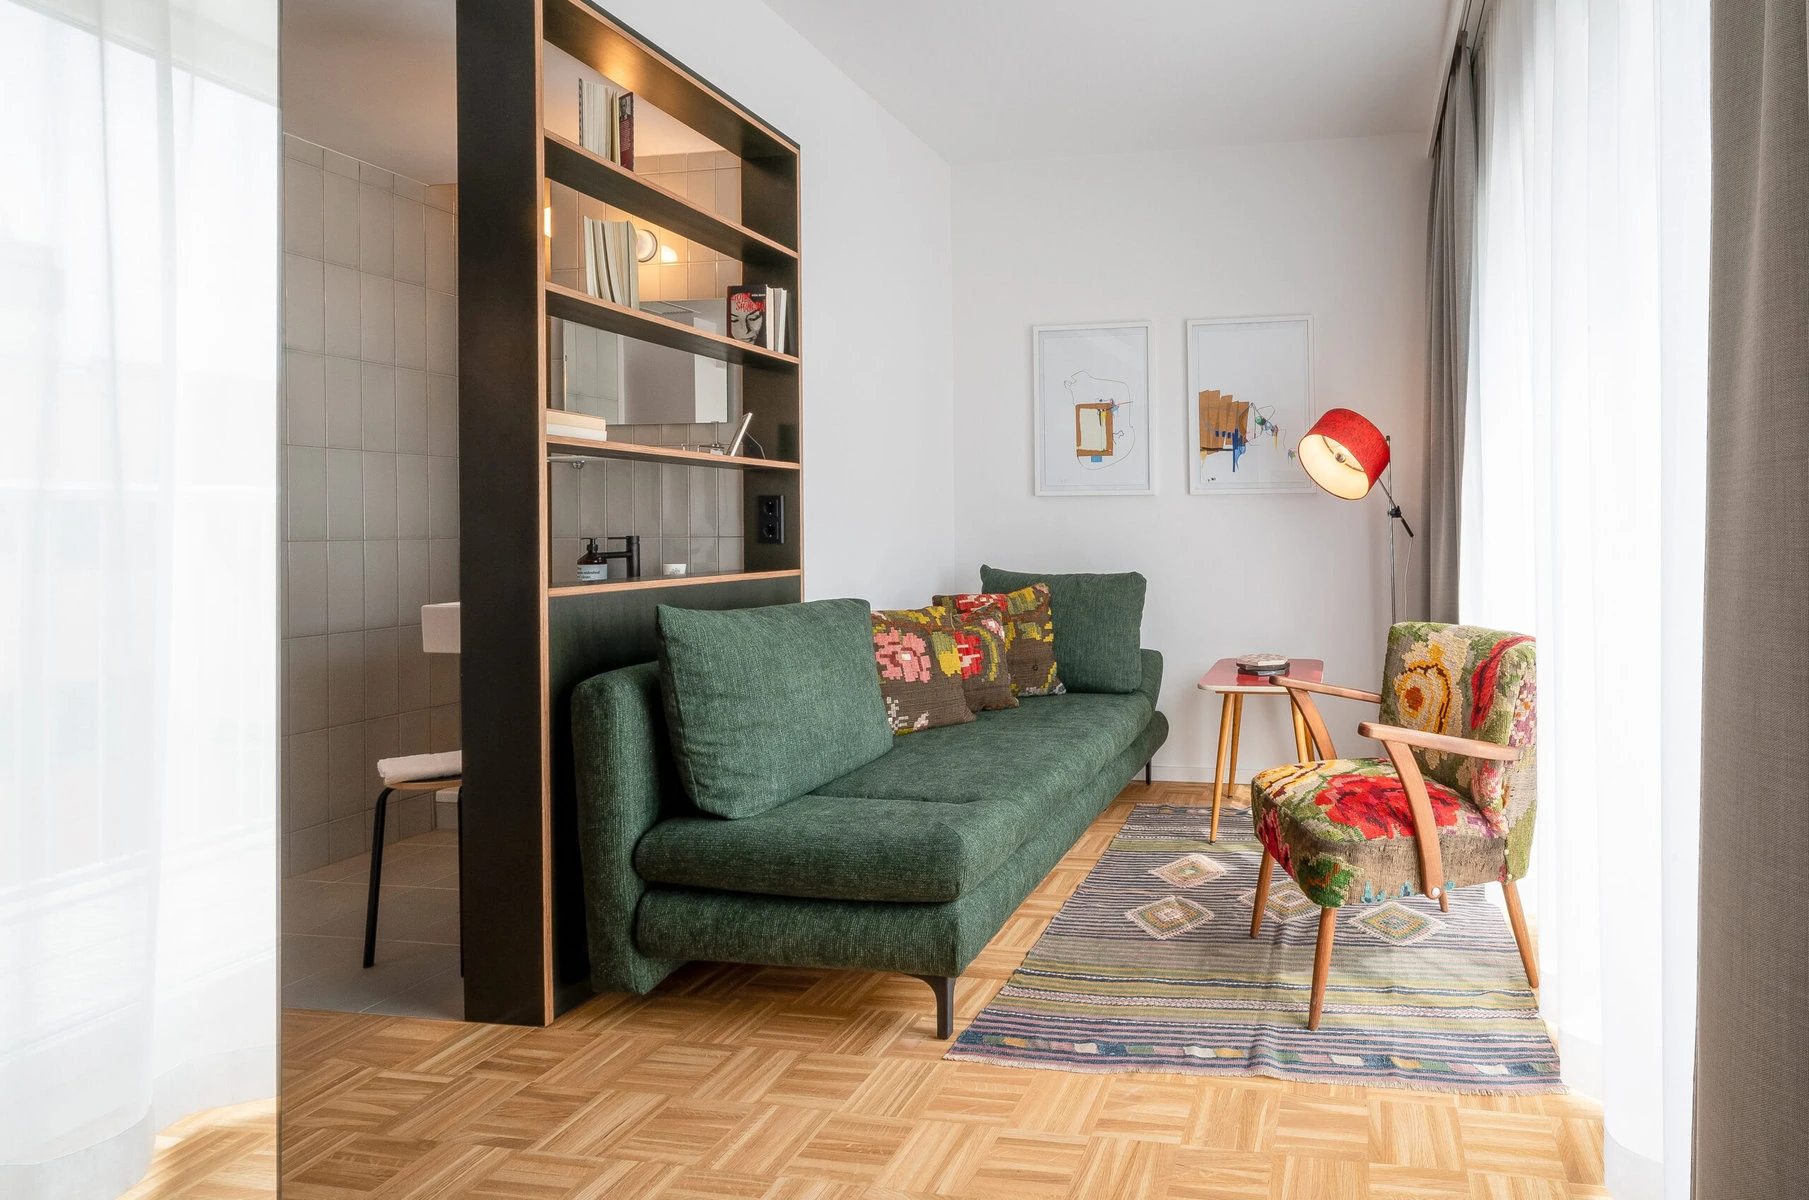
(625, 130)
(610, 270)
(606, 121)
(759, 313)
(564, 423)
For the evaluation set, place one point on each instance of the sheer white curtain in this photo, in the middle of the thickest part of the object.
(1583, 520)
(139, 341)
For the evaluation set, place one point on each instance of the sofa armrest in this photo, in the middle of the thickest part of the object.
(1151, 686)
(624, 775)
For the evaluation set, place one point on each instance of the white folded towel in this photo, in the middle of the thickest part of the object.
(415, 767)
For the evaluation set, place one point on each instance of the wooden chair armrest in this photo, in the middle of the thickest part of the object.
(1469, 747)
(1302, 700)
(1326, 689)
(1425, 827)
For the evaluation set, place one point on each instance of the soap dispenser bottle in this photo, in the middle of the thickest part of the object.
(592, 566)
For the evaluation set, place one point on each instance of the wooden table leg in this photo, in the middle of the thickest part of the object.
(1218, 769)
(1237, 728)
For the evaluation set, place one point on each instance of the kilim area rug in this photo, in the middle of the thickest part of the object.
(1150, 966)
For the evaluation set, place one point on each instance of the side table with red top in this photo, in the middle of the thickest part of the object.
(1225, 679)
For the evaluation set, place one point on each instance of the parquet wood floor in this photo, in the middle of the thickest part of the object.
(218, 1154)
(770, 1084)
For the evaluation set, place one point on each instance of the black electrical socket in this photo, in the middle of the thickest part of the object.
(770, 514)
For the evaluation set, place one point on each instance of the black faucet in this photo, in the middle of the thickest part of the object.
(631, 552)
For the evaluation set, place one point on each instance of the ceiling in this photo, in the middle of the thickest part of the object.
(983, 80)
(978, 80)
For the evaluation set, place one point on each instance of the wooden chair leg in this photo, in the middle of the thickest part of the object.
(1262, 893)
(1218, 768)
(1517, 919)
(1322, 961)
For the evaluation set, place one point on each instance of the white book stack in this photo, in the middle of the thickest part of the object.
(778, 317)
(610, 271)
(599, 108)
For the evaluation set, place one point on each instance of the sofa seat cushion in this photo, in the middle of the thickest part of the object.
(959, 801)
(1034, 752)
(839, 848)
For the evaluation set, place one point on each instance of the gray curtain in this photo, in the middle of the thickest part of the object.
(1450, 268)
(1752, 1072)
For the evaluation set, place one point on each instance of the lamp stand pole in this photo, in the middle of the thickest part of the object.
(1394, 514)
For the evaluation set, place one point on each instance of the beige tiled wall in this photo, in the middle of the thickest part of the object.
(689, 515)
(683, 269)
(711, 181)
(371, 486)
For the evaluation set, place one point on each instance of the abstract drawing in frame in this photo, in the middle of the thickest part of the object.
(1094, 435)
(1249, 400)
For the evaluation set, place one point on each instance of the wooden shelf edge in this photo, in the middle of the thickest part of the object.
(696, 458)
(612, 49)
(597, 177)
(572, 305)
(666, 581)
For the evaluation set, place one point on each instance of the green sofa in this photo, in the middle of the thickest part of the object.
(910, 863)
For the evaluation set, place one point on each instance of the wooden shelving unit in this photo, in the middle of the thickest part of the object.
(569, 305)
(561, 444)
(526, 644)
(577, 168)
(668, 581)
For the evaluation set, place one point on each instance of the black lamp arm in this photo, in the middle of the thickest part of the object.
(1394, 510)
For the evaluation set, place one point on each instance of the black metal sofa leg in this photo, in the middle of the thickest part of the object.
(944, 987)
(370, 901)
(1147, 780)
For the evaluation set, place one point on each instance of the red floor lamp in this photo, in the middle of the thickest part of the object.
(1346, 454)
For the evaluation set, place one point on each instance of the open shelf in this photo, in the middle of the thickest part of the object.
(666, 581)
(571, 305)
(692, 458)
(588, 36)
(577, 168)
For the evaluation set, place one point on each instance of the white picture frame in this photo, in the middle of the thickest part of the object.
(1256, 374)
(1091, 414)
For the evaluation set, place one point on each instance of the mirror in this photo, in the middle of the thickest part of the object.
(629, 382)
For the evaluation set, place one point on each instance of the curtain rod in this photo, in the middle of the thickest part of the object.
(1466, 31)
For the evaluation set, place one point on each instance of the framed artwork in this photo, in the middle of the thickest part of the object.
(1249, 400)
(1094, 435)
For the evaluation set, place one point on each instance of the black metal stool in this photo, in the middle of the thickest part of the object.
(370, 903)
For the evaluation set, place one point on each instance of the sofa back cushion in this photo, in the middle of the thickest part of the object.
(1098, 624)
(766, 704)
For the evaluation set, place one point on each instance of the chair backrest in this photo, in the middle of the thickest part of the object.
(1468, 682)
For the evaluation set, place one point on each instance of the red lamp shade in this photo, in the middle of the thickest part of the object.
(1344, 453)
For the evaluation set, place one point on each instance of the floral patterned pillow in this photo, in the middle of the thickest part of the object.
(1023, 615)
(974, 650)
(914, 679)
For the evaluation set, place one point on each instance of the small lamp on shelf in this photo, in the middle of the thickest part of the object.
(1346, 454)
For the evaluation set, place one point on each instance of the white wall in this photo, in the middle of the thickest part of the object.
(1335, 229)
(876, 300)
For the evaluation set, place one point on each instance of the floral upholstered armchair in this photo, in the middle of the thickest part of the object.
(1452, 804)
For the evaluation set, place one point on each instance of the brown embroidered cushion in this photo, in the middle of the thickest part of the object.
(973, 650)
(1029, 634)
(914, 680)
